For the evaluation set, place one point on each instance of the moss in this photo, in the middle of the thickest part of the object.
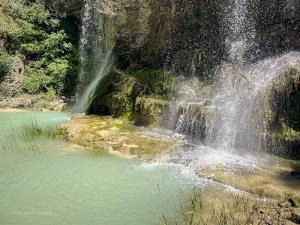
(148, 110)
(285, 132)
(128, 116)
(135, 96)
(155, 81)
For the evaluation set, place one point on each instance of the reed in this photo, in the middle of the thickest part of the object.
(25, 135)
(236, 210)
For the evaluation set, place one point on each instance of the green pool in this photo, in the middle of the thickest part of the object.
(62, 184)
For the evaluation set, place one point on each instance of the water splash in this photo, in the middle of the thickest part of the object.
(239, 29)
(235, 115)
(241, 100)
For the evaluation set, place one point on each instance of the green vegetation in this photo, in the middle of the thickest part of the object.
(203, 208)
(5, 62)
(33, 129)
(24, 136)
(154, 81)
(48, 42)
(125, 94)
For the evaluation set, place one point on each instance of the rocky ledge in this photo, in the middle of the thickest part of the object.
(116, 136)
(34, 102)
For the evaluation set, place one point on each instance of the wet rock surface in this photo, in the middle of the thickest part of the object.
(197, 118)
(115, 135)
(148, 111)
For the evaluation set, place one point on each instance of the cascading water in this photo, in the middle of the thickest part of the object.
(239, 30)
(90, 89)
(234, 117)
(241, 101)
(90, 48)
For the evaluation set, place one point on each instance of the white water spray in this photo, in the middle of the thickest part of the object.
(234, 117)
(240, 33)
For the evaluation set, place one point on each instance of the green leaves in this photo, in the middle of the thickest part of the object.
(155, 81)
(5, 62)
(35, 13)
(58, 71)
(56, 45)
(51, 53)
(35, 79)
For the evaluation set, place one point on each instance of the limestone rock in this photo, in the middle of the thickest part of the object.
(196, 118)
(126, 139)
(11, 85)
(148, 110)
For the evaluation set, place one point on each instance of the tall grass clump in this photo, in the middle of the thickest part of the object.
(190, 211)
(202, 208)
(33, 129)
(25, 135)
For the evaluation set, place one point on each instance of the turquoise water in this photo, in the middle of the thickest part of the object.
(61, 184)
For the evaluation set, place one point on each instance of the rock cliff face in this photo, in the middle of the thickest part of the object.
(177, 34)
(186, 36)
(277, 26)
(67, 7)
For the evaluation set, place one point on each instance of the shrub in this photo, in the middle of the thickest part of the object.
(5, 63)
(46, 40)
(35, 79)
(50, 95)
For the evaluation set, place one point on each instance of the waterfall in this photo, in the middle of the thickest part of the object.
(231, 81)
(96, 49)
(90, 48)
(235, 115)
(241, 101)
(105, 68)
(240, 32)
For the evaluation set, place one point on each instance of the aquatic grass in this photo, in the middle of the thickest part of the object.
(190, 211)
(25, 135)
(207, 208)
(34, 129)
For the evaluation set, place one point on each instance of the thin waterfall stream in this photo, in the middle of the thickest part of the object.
(96, 52)
(105, 68)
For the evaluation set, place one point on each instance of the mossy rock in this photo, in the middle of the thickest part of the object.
(148, 110)
(154, 81)
(115, 95)
(138, 96)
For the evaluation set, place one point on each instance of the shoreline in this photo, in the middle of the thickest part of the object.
(14, 110)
